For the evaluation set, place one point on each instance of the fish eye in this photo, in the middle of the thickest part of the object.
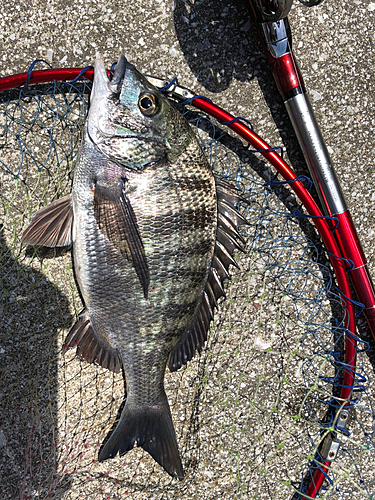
(148, 104)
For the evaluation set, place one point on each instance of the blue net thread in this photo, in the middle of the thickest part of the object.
(276, 252)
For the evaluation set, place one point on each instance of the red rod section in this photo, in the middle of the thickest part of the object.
(348, 240)
(317, 481)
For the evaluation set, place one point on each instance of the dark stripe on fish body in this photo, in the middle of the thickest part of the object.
(198, 274)
(194, 184)
(199, 248)
(198, 218)
(195, 217)
(181, 309)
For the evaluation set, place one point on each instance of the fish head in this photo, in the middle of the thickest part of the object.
(130, 121)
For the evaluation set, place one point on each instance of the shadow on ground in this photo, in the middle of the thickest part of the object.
(221, 45)
(32, 311)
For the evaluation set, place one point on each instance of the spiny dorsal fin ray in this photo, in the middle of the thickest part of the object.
(208, 308)
(225, 191)
(116, 219)
(51, 225)
(226, 258)
(216, 284)
(228, 240)
(227, 225)
(211, 295)
(91, 347)
(231, 213)
(220, 268)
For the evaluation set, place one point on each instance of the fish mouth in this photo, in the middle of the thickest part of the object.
(102, 89)
(102, 84)
(118, 77)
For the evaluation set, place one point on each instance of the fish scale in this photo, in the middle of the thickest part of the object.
(153, 235)
(173, 282)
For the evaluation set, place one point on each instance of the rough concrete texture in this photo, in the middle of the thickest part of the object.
(249, 412)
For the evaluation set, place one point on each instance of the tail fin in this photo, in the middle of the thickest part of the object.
(152, 428)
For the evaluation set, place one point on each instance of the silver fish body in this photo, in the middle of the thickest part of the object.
(153, 235)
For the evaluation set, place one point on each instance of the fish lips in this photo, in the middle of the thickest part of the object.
(98, 120)
(119, 74)
(102, 85)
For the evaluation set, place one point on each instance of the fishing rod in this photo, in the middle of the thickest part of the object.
(272, 25)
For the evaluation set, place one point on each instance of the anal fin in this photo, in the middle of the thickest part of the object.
(91, 347)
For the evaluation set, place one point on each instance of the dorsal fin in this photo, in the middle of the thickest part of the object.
(228, 240)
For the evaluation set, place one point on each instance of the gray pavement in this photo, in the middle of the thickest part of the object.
(212, 48)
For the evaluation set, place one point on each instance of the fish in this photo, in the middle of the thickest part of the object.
(153, 233)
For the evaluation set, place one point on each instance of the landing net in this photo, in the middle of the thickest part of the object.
(251, 412)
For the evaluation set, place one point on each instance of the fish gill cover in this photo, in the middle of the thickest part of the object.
(250, 413)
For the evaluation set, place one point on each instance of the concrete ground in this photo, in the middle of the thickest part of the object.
(212, 48)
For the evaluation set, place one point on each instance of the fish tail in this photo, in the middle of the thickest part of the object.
(153, 429)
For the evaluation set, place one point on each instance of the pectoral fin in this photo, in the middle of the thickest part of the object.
(116, 219)
(51, 225)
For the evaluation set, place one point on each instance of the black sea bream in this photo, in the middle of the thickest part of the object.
(153, 234)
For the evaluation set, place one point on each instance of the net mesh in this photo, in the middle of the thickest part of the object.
(251, 412)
